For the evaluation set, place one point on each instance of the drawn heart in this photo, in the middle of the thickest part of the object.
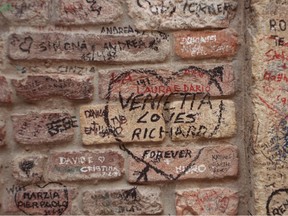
(50, 199)
(101, 159)
(25, 46)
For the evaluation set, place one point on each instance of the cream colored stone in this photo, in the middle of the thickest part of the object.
(88, 12)
(88, 47)
(192, 119)
(101, 124)
(84, 165)
(25, 12)
(207, 201)
(269, 69)
(170, 164)
(173, 14)
(136, 201)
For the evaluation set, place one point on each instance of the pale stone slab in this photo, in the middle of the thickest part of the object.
(79, 12)
(84, 165)
(170, 164)
(191, 119)
(25, 12)
(88, 47)
(128, 121)
(269, 69)
(129, 201)
(189, 14)
(207, 201)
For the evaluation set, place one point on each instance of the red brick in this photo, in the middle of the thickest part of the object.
(43, 128)
(207, 201)
(206, 44)
(88, 47)
(157, 14)
(128, 201)
(5, 91)
(18, 199)
(170, 164)
(39, 87)
(28, 168)
(83, 12)
(22, 12)
(2, 133)
(127, 124)
(191, 79)
(84, 165)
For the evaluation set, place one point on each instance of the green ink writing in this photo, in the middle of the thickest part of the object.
(5, 7)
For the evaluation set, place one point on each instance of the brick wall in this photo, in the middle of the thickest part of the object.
(268, 45)
(124, 107)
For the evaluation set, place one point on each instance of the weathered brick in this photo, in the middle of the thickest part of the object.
(207, 201)
(1, 50)
(190, 14)
(88, 12)
(84, 165)
(191, 119)
(128, 201)
(2, 132)
(43, 128)
(28, 168)
(5, 91)
(25, 12)
(38, 87)
(49, 199)
(88, 47)
(215, 80)
(124, 122)
(206, 44)
(169, 164)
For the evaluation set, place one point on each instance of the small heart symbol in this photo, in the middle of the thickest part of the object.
(25, 46)
(101, 159)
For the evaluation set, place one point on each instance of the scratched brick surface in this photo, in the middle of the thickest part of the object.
(38, 87)
(206, 44)
(2, 132)
(43, 128)
(215, 80)
(28, 169)
(170, 164)
(27, 12)
(84, 165)
(5, 91)
(207, 201)
(88, 12)
(41, 199)
(191, 119)
(128, 201)
(88, 47)
(128, 121)
(157, 14)
(269, 95)
(1, 50)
